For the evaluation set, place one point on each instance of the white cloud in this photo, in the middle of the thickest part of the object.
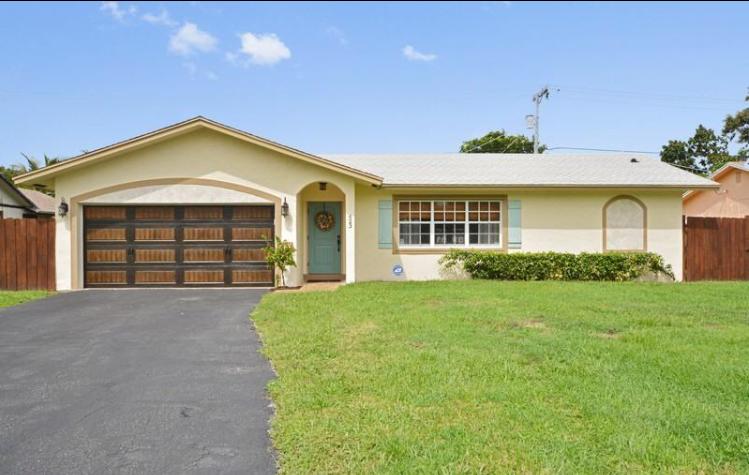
(190, 39)
(162, 18)
(414, 55)
(337, 34)
(263, 49)
(117, 12)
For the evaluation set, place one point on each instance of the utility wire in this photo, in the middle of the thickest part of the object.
(626, 151)
(651, 95)
(601, 150)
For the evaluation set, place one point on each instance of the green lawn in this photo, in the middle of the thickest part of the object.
(488, 377)
(12, 297)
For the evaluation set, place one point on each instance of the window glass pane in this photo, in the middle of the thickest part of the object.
(426, 211)
(449, 233)
(424, 235)
(404, 234)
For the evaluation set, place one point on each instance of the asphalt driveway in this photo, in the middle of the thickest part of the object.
(134, 381)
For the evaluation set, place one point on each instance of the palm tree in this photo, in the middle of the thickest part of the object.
(33, 163)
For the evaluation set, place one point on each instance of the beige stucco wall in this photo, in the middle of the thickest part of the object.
(208, 167)
(552, 220)
(204, 155)
(730, 201)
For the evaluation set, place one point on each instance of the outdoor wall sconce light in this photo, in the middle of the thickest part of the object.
(284, 208)
(323, 186)
(62, 210)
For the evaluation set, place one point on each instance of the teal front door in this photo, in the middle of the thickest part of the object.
(324, 238)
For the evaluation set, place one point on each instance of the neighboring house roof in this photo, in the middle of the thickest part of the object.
(720, 172)
(44, 204)
(523, 170)
(180, 128)
(456, 170)
(12, 190)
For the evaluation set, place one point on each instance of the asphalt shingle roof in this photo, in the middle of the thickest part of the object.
(44, 203)
(522, 170)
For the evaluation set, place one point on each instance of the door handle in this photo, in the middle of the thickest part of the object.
(338, 241)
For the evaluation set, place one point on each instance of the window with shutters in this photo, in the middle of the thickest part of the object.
(449, 223)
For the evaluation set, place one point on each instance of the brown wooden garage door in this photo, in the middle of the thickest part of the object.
(183, 246)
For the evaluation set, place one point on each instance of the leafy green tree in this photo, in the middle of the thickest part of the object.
(497, 141)
(8, 172)
(736, 127)
(704, 152)
(707, 151)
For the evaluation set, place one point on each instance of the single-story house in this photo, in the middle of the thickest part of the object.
(194, 203)
(21, 203)
(731, 200)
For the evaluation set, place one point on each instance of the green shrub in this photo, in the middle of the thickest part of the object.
(612, 266)
(281, 255)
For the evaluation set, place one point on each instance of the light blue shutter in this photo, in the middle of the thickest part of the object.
(385, 224)
(515, 235)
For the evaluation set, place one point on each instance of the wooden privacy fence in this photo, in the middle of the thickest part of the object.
(716, 248)
(27, 254)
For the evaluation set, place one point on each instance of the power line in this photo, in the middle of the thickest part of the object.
(626, 151)
(601, 150)
(657, 95)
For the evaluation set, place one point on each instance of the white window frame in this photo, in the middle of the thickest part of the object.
(466, 222)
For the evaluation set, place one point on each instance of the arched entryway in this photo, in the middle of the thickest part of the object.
(322, 228)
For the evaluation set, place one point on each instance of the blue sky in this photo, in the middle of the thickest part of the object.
(368, 77)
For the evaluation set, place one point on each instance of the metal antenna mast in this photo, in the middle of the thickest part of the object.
(537, 98)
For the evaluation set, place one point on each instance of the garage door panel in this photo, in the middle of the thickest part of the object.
(204, 276)
(200, 254)
(252, 213)
(156, 277)
(203, 234)
(251, 234)
(204, 213)
(177, 245)
(155, 234)
(106, 277)
(106, 256)
(155, 255)
(248, 255)
(154, 213)
(104, 213)
(251, 276)
(106, 234)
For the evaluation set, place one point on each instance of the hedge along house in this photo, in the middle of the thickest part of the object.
(193, 204)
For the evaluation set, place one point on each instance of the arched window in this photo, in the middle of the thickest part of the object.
(624, 224)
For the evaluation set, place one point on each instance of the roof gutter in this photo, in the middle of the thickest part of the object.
(557, 185)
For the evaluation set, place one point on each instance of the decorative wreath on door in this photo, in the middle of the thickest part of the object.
(324, 221)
